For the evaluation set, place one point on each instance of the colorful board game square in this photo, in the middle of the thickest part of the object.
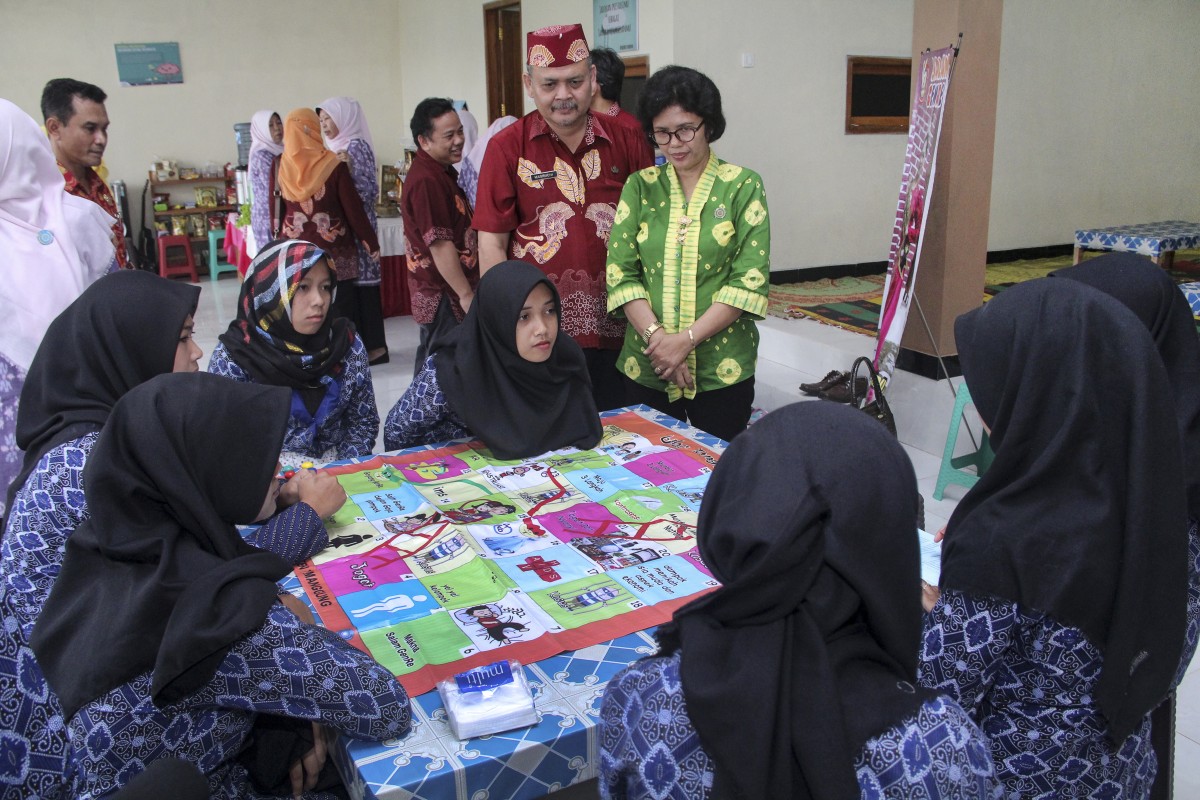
(387, 605)
(666, 467)
(408, 646)
(666, 579)
(546, 568)
(475, 581)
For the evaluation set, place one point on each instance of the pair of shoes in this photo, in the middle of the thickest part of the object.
(379, 358)
(840, 392)
(831, 379)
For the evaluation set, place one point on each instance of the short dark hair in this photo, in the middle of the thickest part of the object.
(610, 72)
(692, 91)
(427, 111)
(58, 97)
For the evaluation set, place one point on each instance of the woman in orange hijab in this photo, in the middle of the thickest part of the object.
(321, 205)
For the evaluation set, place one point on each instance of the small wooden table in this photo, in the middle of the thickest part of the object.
(1158, 240)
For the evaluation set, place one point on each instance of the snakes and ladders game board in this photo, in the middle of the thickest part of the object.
(445, 559)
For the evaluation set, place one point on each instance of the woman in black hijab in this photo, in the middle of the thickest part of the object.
(504, 375)
(1064, 585)
(1149, 292)
(122, 330)
(175, 616)
(795, 679)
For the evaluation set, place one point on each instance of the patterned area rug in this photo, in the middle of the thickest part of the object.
(853, 303)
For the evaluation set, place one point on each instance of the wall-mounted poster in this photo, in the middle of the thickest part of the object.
(149, 64)
(616, 24)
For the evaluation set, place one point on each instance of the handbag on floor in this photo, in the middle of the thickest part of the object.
(878, 406)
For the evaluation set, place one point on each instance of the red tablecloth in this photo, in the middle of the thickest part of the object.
(393, 289)
(236, 245)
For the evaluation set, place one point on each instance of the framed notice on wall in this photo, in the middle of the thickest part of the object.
(616, 24)
(149, 64)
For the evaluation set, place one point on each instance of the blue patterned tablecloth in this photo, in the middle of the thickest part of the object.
(1149, 239)
(431, 764)
(562, 749)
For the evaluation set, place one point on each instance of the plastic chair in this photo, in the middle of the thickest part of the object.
(167, 268)
(952, 470)
(216, 248)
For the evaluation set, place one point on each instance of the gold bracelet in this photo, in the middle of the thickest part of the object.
(650, 329)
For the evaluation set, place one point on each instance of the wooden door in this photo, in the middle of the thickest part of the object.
(505, 56)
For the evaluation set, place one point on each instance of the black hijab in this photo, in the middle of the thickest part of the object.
(261, 338)
(1082, 515)
(813, 636)
(518, 408)
(158, 577)
(122, 331)
(1150, 293)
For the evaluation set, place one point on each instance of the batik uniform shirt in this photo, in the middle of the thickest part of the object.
(558, 208)
(1192, 637)
(262, 185)
(434, 209)
(333, 219)
(12, 378)
(422, 415)
(346, 423)
(366, 182)
(682, 257)
(50, 505)
(649, 749)
(98, 192)
(1029, 682)
(285, 668)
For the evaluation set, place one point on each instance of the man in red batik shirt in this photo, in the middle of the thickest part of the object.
(439, 244)
(548, 192)
(77, 125)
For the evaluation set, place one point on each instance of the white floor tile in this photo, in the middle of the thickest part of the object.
(1187, 768)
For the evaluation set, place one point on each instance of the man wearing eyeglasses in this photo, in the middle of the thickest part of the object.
(548, 190)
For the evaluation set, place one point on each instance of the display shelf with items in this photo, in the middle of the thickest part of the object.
(188, 203)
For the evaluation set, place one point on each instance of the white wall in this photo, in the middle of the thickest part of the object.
(442, 55)
(1096, 119)
(832, 196)
(1096, 115)
(238, 57)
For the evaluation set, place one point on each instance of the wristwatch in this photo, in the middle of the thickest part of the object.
(650, 329)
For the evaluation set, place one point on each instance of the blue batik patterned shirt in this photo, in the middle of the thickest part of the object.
(422, 415)
(345, 429)
(649, 749)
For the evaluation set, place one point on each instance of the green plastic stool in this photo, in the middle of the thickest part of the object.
(952, 467)
(217, 264)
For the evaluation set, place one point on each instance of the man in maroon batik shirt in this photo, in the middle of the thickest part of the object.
(548, 192)
(77, 124)
(439, 244)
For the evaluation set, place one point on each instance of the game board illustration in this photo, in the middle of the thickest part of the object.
(441, 557)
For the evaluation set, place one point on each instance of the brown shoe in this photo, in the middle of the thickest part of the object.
(832, 378)
(840, 392)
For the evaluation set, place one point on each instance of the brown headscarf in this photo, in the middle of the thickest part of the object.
(305, 164)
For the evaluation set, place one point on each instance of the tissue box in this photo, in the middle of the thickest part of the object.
(488, 699)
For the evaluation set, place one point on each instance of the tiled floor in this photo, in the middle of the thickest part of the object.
(792, 352)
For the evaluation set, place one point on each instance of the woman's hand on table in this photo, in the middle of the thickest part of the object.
(297, 607)
(929, 595)
(307, 770)
(321, 491)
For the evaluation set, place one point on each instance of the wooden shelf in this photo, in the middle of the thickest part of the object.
(183, 212)
(156, 182)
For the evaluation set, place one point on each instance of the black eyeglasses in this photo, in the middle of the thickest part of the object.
(684, 133)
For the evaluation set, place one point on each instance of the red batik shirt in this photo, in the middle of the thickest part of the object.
(434, 208)
(99, 193)
(558, 207)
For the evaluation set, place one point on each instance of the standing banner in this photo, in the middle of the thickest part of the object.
(916, 186)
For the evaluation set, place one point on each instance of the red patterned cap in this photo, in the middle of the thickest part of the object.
(556, 46)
